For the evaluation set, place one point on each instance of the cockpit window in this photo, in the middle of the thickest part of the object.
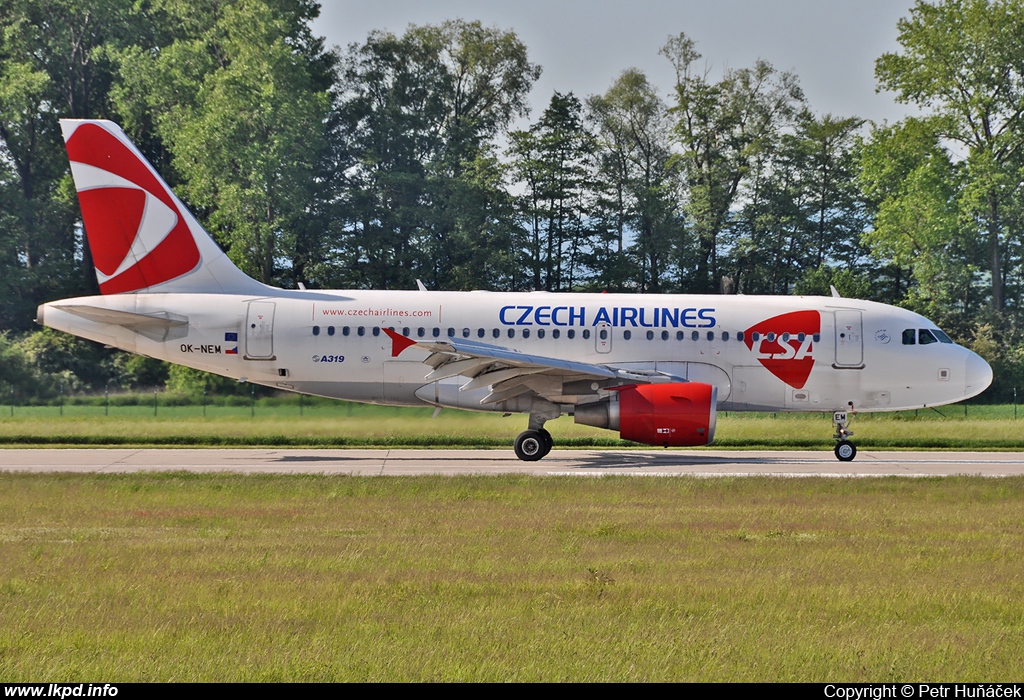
(943, 338)
(910, 336)
(925, 337)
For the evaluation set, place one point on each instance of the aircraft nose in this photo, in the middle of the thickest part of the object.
(978, 375)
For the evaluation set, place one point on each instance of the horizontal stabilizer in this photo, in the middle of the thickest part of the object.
(159, 326)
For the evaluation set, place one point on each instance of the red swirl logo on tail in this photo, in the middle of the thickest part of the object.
(785, 345)
(137, 234)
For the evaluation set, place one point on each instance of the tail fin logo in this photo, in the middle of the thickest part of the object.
(137, 233)
(784, 345)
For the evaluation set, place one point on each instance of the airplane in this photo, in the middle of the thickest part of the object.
(655, 368)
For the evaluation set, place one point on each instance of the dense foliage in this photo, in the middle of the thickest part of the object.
(413, 156)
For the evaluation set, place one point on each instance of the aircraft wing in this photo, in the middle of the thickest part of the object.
(510, 373)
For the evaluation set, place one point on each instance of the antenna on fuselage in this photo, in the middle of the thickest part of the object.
(835, 292)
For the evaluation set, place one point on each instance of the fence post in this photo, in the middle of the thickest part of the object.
(62, 400)
(252, 401)
(12, 399)
(204, 400)
(106, 400)
(154, 403)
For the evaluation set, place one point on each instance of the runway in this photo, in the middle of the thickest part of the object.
(398, 462)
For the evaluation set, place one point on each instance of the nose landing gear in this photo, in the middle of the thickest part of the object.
(845, 450)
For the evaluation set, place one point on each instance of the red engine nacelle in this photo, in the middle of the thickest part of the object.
(670, 415)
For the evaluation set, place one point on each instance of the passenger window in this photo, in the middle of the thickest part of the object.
(626, 335)
(739, 336)
(817, 337)
(420, 332)
(436, 332)
(650, 335)
(910, 337)
(801, 337)
(725, 335)
(330, 330)
(925, 337)
(555, 333)
(540, 332)
(664, 335)
(695, 335)
(680, 335)
(755, 336)
(570, 334)
(511, 332)
(376, 331)
(604, 334)
(526, 332)
(465, 332)
(406, 331)
(360, 331)
(451, 332)
(316, 330)
(496, 333)
(586, 334)
(480, 332)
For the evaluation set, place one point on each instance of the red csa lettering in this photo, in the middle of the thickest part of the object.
(789, 350)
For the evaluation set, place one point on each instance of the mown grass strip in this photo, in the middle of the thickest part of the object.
(142, 577)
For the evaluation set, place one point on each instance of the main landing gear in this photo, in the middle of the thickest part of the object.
(535, 442)
(532, 445)
(845, 450)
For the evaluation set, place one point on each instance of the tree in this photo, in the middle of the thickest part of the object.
(721, 128)
(638, 200)
(241, 99)
(420, 114)
(552, 161)
(800, 208)
(54, 62)
(963, 61)
(915, 188)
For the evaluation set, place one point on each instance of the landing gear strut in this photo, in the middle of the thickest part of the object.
(845, 450)
(535, 442)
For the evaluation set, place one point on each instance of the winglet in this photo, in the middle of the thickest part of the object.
(398, 342)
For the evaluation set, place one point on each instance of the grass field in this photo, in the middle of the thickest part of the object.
(340, 424)
(274, 578)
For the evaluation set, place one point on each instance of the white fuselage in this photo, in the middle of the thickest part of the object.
(761, 353)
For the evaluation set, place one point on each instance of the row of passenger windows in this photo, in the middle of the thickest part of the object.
(924, 336)
(571, 334)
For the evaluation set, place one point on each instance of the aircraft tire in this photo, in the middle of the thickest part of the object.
(531, 445)
(549, 441)
(845, 451)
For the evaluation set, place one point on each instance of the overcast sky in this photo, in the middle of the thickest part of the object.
(584, 45)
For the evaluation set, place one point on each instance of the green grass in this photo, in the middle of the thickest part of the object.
(340, 424)
(184, 577)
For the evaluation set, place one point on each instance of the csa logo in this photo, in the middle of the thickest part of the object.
(137, 235)
(785, 345)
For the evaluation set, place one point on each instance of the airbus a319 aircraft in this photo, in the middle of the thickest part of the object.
(656, 368)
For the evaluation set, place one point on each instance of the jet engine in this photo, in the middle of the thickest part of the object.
(671, 415)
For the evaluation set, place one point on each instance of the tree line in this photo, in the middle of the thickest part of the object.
(413, 156)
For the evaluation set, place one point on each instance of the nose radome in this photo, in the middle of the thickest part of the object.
(978, 375)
